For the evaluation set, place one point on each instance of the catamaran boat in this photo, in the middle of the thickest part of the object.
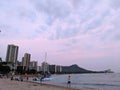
(42, 79)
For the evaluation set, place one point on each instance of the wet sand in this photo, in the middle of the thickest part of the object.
(7, 84)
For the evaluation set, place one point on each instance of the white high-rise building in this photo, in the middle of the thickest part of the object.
(12, 54)
(26, 61)
(45, 67)
(33, 65)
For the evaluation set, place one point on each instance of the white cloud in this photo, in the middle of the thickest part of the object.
(82, 28)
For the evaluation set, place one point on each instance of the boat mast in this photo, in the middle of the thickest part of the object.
(45, 66)
(45, 57)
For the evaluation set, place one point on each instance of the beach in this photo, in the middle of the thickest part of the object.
(7, 84)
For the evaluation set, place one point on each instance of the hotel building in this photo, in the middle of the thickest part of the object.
(12, 54)
(33, 65)
(45, 67)
(26, 61)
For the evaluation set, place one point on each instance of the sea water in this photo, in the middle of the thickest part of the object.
(105, 81)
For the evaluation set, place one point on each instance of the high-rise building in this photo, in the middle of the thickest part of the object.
(52, 69)
(58, 69)
(39, 68)
(23, 62)
(45, 67)
(55, 68)
(12, 54)
(33, 65)
(26, 61)
(0, 59)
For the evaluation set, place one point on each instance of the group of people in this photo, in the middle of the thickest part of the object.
(18, 78)
(68, 80)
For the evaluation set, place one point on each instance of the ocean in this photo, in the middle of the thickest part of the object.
(104, 81)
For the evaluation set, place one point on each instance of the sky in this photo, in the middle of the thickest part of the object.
(82, 32)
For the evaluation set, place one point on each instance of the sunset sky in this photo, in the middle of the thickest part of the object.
(83, 32)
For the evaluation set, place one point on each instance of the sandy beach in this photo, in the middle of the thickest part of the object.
(7, 84)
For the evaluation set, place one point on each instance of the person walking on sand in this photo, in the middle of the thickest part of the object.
(27, 78)
(69, 81)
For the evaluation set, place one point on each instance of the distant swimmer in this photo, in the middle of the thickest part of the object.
(69, 81)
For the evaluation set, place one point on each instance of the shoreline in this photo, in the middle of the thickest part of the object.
(60, 86)
(7, 84)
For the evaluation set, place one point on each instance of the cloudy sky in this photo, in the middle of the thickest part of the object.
(83, 32)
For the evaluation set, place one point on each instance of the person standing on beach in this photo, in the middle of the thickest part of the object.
(41, 78)
(27, 78)
(69, 81)
(21, 78)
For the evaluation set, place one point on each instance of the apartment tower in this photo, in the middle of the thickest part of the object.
(12, 54)
(26, 61)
